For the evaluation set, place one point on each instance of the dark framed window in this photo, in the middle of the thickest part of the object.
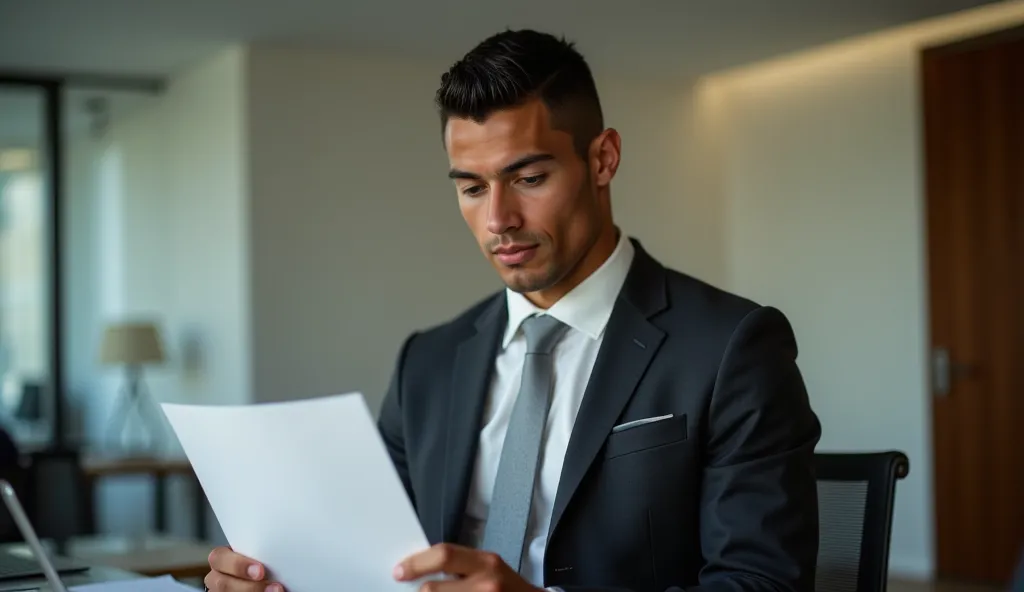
(31, 225)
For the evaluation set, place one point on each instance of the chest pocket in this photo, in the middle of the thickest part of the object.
(646, 436)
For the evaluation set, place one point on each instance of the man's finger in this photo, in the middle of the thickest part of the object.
(445, 558)
(217, 582)
(228, 562)
(474, 583)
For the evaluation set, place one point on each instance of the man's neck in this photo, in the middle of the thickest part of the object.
(591, 262)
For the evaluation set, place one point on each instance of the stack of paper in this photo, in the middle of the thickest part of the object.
(164, 584)
(306, 488)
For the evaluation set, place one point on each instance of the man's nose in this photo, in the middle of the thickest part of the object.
(502, 212)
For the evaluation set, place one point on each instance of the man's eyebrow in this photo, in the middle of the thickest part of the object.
(511, 168)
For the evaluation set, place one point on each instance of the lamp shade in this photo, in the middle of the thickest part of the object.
(131, 344)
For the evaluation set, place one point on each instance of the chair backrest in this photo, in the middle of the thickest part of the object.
(60, 499)
(855, 505)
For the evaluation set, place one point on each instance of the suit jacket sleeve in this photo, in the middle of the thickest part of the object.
(759, 512)
(390, 422)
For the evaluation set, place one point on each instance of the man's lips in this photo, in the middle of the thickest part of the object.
(515, 254)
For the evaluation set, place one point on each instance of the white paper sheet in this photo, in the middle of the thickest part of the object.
(163, 584)
(305, 487)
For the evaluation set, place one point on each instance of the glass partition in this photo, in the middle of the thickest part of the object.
(26, 305)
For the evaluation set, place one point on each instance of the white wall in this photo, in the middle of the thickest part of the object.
(156, 211)
(207, 187)
(356, 239)
(664, 190)
(356, 235)
(822, 179)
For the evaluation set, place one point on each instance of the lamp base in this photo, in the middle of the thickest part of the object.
(146, 438)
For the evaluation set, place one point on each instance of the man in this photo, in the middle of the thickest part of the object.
(604, 422)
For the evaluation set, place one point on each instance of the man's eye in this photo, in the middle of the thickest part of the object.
(533, 180)
(473, 190)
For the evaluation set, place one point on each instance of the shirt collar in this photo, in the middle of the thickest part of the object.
(587, 307)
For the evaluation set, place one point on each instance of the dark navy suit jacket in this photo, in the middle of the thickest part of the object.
(720, 497)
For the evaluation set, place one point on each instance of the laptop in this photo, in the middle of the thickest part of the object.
(14, 566)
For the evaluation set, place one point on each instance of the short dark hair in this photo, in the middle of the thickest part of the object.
(512, 67)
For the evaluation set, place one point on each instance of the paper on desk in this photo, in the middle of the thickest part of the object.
(305, 487)
(162, 584)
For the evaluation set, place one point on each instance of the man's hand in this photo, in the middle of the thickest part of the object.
(232, 572)
(473, 570)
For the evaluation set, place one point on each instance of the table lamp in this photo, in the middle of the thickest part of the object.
(133, 345)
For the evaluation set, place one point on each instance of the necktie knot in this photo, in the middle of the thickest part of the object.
(542, 333)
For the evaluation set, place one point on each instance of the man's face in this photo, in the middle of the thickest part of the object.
(526, 194)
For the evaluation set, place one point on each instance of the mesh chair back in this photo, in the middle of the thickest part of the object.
(855, 504)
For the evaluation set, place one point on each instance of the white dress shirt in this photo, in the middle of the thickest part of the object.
(586, 310)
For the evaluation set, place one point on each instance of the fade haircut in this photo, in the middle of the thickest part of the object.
(512, 67)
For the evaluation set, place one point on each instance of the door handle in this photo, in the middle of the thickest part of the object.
(944, 371)
(940, 372)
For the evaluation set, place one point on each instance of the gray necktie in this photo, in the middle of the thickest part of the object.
(505, 532)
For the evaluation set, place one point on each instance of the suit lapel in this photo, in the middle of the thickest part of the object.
(471, 376)
(630, 343)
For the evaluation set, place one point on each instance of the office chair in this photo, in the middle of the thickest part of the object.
(61, 504)
(855, 507)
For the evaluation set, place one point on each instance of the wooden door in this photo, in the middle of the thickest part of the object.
(973, 97)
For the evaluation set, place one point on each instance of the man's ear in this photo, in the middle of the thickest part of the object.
(605, 152)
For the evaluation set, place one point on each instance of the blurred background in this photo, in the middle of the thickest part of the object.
(240, 201)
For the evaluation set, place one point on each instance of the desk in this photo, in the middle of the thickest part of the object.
(141, 556)
(97, 467)
(111, 558)
(94, 575)
(150, 555)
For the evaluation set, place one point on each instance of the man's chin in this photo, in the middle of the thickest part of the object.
(525, 282)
